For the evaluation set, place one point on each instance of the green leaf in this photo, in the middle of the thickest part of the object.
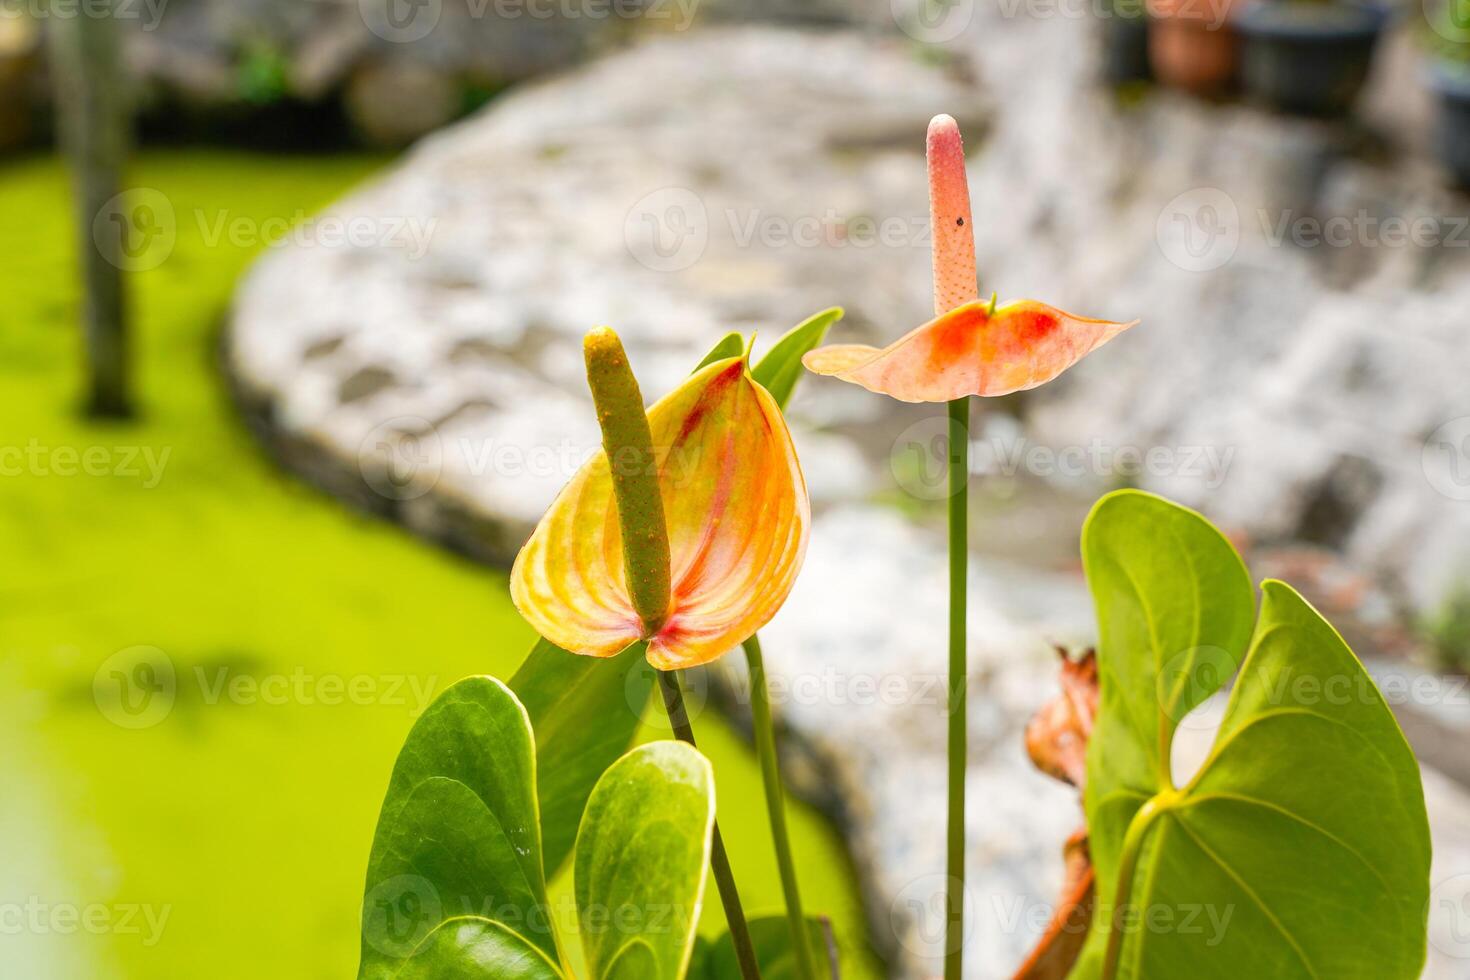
(781, 368)
(730, 345)
(641, 861)
(1301, 847)
(459, 833)
(771, 936)
(474, 948)
(585, 712)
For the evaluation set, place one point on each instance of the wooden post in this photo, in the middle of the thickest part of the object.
(94, 121)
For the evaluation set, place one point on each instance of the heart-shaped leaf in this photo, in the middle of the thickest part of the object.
(641, 861)
(1301, 846)
(458, 835)
(585, 713)
(780, 369)
(771, 936)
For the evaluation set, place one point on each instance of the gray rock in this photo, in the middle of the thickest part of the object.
(459, 312)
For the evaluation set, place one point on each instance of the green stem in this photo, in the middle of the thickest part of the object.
(1138, 828)
(959, 481)
(765, 747)
(673, 695)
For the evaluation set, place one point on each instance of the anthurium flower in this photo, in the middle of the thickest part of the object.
(971, 350)
(971, 347)
(737, 515)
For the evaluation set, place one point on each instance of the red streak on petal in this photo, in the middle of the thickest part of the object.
(955, 339)
(709, 397)
(718, 506)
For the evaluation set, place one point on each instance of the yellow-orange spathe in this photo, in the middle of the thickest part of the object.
(738, 517)
(970, 351)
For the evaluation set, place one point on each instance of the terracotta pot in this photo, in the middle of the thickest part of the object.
(1192, 44)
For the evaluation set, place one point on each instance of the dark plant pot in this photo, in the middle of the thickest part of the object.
(1192, 45)
(1125, 48)
(1451, 82)
(1308, 57)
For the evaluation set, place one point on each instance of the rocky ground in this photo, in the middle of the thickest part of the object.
(426, 367)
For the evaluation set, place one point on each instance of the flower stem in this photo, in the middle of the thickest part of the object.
(959, 479)
(1138, 829)
(765, 747)
(673, 695)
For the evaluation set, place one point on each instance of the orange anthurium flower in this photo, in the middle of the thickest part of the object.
(971, 347)
(737, 514)
(970, 351)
